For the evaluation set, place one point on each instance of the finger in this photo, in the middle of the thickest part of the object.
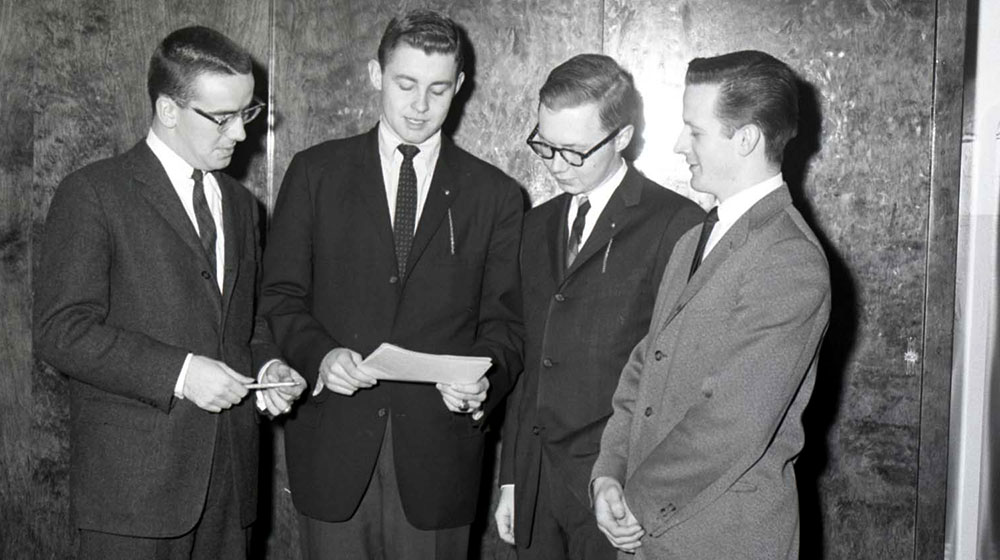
(274, 406)
(232, 373)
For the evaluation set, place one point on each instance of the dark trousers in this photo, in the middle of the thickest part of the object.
(217, 535)
(379, 529)
(564, 528)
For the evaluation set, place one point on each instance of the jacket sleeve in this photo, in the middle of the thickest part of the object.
(500, 333)
(286, 288)
(72, 291)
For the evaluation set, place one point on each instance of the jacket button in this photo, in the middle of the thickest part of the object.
(547, 363)
(560, 298)
(658, 355)
(393, 279)
(381, 412)
(649, 411)
(205, 274)
(536, 430)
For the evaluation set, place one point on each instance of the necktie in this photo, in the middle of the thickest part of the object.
(576, 233)
(206, 225)
(706, 232)
(404, 221)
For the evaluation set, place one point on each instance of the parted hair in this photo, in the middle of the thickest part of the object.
(185, 54)
(754, 88)
(427, 30)
(593, 78)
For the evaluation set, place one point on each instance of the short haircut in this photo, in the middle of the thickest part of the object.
(594, 78)
(427, 30)
(754, 88)
(187, 53)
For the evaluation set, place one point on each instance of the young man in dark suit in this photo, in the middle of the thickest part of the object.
(145, 298)
(395, 235)
(590, 265)
(697, 461)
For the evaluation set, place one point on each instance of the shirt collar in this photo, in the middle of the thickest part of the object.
(388, 141)
(178, 170)
(735, 206)
(601, 194)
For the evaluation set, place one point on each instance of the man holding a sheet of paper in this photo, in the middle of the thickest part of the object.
(399, 236)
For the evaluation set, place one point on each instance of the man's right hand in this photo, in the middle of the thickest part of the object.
(504, 515)
(614, 518)
(339, 372)
(212, 385)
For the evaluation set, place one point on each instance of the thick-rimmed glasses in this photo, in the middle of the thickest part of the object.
(572, 157)
(225, 120)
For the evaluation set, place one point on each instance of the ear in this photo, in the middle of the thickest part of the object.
(167, 111)
(624, 138)
(748, 138)
(459, 81)
(375, 74)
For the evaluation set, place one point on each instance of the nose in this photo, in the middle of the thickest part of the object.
(236, 130)
(683, 142)
(420, 104)
(557, 164)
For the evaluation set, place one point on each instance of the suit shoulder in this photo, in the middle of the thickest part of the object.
(663, 197)
(331, 150)
(485, 174)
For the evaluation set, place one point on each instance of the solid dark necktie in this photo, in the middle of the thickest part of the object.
(404, 221)
(206, 225)
(706, 232)
(576, 232)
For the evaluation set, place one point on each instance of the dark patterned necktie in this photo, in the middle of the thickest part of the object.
(404, 221)
(706, 232)
(576, 233)
(206, 225)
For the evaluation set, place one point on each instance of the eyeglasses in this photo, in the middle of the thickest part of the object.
(226, 120)
(572, 157)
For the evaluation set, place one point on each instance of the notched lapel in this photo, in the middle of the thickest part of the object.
(155, 187)
(616, 217)
(232, 225)
(367, 179)
(443, 191)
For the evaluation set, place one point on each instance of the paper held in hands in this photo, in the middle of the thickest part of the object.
(392, 363)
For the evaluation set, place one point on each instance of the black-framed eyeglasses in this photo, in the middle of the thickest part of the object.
(572, 157)
(226, 120)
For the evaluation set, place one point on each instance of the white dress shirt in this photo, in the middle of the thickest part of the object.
(424, 164)
(733, 208)
(598, 197)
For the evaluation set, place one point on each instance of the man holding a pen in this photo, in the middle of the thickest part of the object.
(395, 235)
(144, 298)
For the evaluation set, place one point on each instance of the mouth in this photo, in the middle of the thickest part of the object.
(415, 123)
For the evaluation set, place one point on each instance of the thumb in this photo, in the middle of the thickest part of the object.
(617, 505)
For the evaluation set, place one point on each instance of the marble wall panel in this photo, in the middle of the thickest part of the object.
(861, 175)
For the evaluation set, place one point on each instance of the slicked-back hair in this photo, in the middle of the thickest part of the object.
(754, 88)
(427, 30)
(593, 78)
(185, 54)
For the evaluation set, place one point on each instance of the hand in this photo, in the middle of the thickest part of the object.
(339, 372)
(464, 398)
(614, 518)
(212, 385)
(504, 515)
(279, 400)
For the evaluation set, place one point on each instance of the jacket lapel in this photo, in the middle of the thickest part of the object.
(232, 226)
(615, 218)
(443, 190)
(370, 184)
(155, 187)
(556, 238)
(758, 215)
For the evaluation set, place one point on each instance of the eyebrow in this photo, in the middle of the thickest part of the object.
(574, 147)
(446, 83)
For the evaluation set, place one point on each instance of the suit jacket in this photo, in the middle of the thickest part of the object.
(330, 280)
(581, 324)
(707, 415)
(124, 292)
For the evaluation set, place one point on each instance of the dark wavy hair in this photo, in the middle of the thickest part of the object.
(594, 78)
(187, 53)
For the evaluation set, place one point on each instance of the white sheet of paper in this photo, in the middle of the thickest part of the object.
(392, 363)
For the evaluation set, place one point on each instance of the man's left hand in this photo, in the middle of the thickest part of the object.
(464, 399)
(279, 400)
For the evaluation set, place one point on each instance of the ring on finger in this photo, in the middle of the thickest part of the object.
(465, 406)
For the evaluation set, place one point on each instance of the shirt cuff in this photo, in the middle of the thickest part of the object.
(179, 386)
